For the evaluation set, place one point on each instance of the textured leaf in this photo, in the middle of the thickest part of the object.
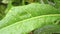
(26, 26)
(20, 13)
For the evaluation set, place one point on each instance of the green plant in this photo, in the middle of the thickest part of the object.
(26, 26)
(23, 12)
(42, 17)
(48, 29)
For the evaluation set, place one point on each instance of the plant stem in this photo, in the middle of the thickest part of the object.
(23, 2)
(8, 6)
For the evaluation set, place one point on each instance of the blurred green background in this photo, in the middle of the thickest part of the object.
(5, 5)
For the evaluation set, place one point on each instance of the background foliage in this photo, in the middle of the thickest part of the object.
(6, 4)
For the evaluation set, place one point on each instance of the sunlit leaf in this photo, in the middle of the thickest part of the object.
(20, 13)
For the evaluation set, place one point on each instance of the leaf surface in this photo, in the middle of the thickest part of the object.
(20, 13)
(26, 26)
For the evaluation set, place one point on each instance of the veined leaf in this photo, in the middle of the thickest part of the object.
(26, 26)
(20, 13)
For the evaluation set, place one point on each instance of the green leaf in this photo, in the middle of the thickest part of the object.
(28, 25)
(2, 9)
(20, 13)
(48, 29)
(57, 3)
